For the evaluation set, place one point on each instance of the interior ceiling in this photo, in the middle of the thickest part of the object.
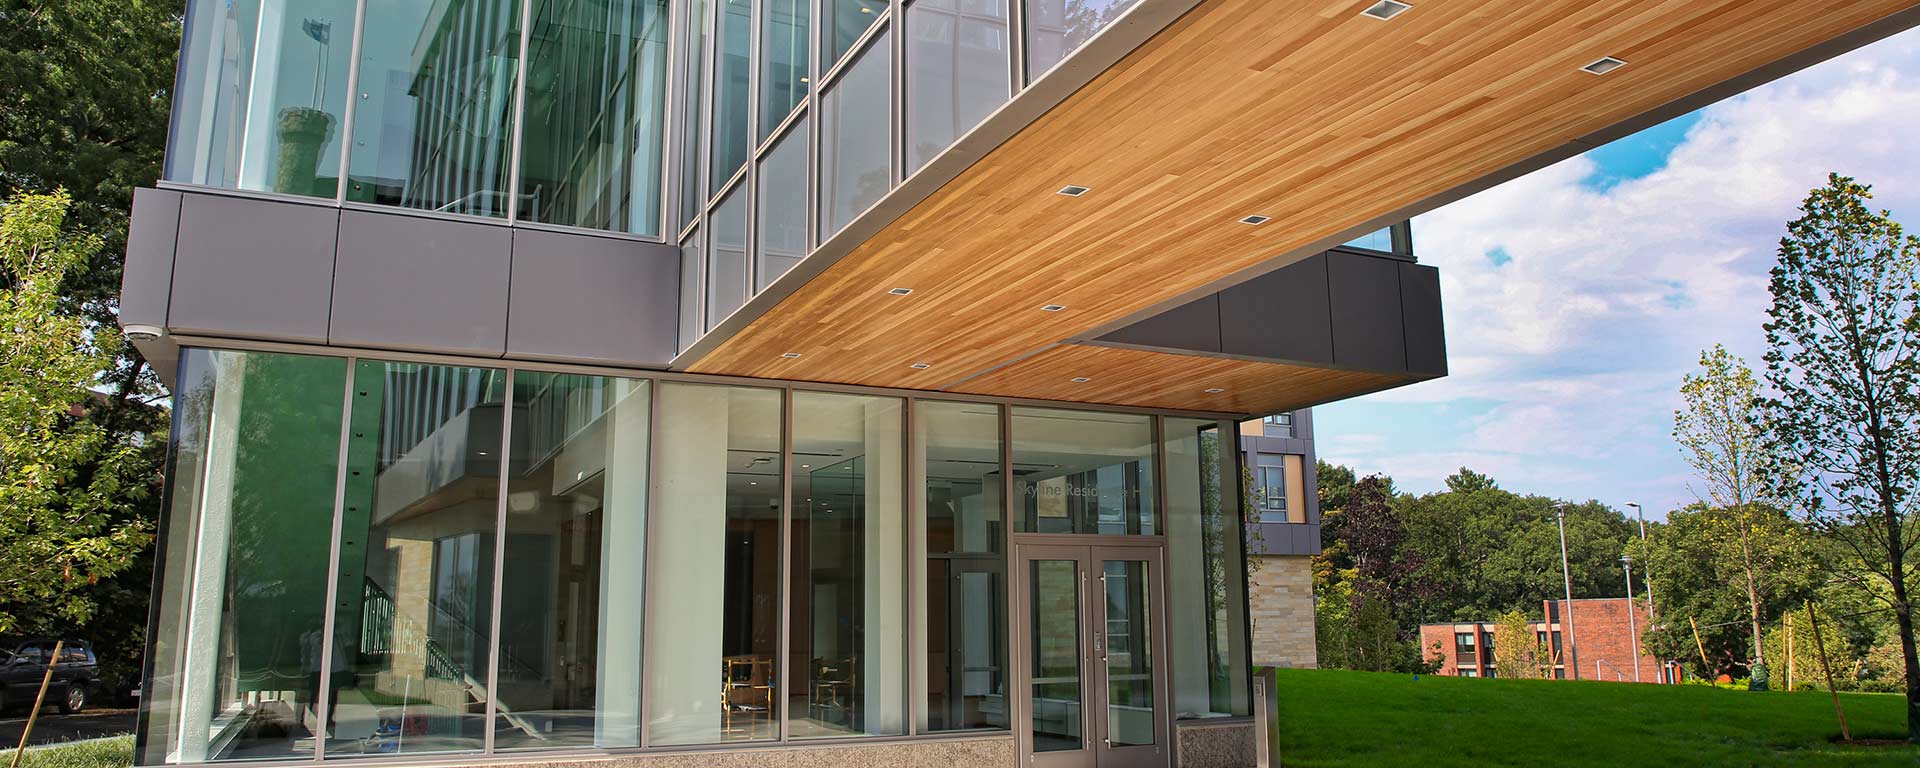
(1304, 111)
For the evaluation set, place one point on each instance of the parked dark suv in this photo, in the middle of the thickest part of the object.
(24, 662)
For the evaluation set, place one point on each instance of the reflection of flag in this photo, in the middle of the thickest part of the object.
(320, 30)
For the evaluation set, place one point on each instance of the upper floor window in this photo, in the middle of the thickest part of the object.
(1280, 487)
(1279, 425)
(1465, 648)
(1273, 491)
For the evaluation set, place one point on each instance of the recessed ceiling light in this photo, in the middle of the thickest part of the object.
(1081, 379)
(900, 291)
(1215, 391)
(1386, 9)
(790, 355)
(919, 366)
(1256, 219)
(1603, 65)
(1074, 190)
(1053, 307)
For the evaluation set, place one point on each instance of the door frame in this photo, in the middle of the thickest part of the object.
(1089, 551)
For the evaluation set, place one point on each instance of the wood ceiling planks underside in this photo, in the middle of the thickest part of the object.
(1302, 110)
(1143, 378)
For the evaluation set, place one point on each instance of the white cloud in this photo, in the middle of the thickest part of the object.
(1576, 344)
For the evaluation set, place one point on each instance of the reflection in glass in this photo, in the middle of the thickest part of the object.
(727, 265)
(692, 258)
(596, 76)
(848, 604)
(730, 94)
(847, 20)
(956, 71)
(1206, 594)
(1378, 240)
(236, 672)
(693, 60)
(716, 565)
(854, 172)
(783, 61)
(1057, 28)
(1129, 653)
(262, 88)
(575, 538)
(413, 609)
(1083, 472)
(1055, 603)
(433, 126)
(781, 226)
(964, 615)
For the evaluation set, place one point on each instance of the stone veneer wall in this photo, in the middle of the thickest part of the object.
(1203, 744)
(941, 753)
(1281, 605)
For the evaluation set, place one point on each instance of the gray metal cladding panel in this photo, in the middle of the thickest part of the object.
(1364, 294)
(255, 268)
(1281, 314)
(593, 299)
(147, 278)
(416, 283)
(1426, 332)
(1195, 326)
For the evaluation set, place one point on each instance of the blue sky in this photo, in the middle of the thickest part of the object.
(1578, 296)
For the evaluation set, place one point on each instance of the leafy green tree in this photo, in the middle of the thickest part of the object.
(1702, 582)
(1843, 355)
(1517, 650)
(63, 478)
(1719, 432)
(1805, 659)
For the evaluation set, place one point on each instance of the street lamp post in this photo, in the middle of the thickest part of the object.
(1566, 572)
(1633, 627)
(1640, 515)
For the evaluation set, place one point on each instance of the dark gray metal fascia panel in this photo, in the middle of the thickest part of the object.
(1364, 299)
(586, 299)
(1425, 328)
(253, 268)
(1289, 538)
(1281, 314)
(420, 284)
(146, 281)
(1189, 326)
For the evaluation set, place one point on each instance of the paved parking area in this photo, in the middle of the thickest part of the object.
(54, 727)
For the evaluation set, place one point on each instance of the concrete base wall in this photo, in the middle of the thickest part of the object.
(954, 753)
(1201, 744)
(1281, 605)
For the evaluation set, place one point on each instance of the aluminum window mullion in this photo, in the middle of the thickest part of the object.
(499, 558)
(514, 134)
(1011, 580)
(815, 9)
(756, 17)
(647, 567)
(324, 705)
(783, 730)
(896, 96)
(1016, 47)
(910, 532)
(353, 99)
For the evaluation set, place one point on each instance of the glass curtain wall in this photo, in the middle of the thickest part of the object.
(963, 571)
(855, 171)
(780, 225)
(691, 107)
(847, 605)
(596, 81)
(783, 61)
(575, 538)
(1206, 594)
(846, 21)
(1083, 472)
(242, 599)
(716, 565)
(1057, 28)
(727, 257)
(732, 68)
(957, 71)
(262, 95)
(413, 617)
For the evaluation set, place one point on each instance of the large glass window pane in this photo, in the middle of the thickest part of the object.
(693, 60)
(854, 138)
(570, 629)
(716, 566)
(1377, 240)
(413, 615)
(1128, 612)
(957, 71)
(727, 264)
(1057, 28)
(596, 76)
(1057, 694)
(781, 226)
(783, 61)
(730, 96)
(692, 259)
(846, 21)
(848, 602)
(1206, 596)
(263, 86)
(1083, 472)
(433, 125)
(963, 618)
(256, 454)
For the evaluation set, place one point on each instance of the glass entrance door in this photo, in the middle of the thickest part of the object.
(1091, 620)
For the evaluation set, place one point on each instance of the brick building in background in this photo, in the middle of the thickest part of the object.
(1603, 643)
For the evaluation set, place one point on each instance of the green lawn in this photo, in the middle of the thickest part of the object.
(1336, 718)
(97, 753)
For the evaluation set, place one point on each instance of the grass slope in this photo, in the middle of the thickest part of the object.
(1338, 718)
(96, 753)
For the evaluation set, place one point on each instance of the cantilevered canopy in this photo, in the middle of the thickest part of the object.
(1330, 122)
